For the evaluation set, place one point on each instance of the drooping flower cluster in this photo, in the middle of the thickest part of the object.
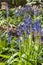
(27, 8)
(37, 25)
(18, 13)
(35, 10)
(23, 10)
(27, 26)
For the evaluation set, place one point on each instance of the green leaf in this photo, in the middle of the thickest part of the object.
(5, 56)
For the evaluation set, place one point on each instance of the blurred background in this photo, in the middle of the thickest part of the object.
(13, 3)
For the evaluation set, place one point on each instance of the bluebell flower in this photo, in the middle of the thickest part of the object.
(37, 25)
(24, 27)
(17, 14)
(28, 31)
(42, 32)
(41, 39)
(23, 11)
(35, 10)
(28, 20)
(38, 28)
(20, 11)
(19, 31)
(9, 37)
(33, 28)
(19, 27)
(7, 11)
(27, 8)
(37, 21)
(6, 7)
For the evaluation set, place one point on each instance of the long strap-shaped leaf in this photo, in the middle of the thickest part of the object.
(4, 56)
(12, 57)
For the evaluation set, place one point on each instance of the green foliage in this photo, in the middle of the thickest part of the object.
(26, 52)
